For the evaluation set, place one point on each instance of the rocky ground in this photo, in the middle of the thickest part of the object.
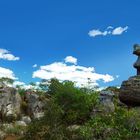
(17, 111)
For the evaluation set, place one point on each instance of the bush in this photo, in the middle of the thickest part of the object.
(71, 106)
(75, 103)
(120, 125)
(68, 105)
(49, 127)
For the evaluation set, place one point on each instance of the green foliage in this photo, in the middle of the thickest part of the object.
(13, 129)
(21, 91)
(120, 125)
(6, 81)
(75, 103)
(44, 85)
(71, 106)
(68, 105)
(49, 127)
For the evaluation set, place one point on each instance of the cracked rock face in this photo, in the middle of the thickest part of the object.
(35, 105)
(9, 103)
(130, 91)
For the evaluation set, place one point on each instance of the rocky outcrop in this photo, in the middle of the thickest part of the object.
(35, 105)
(106, 101)
(130, 91)
(9, 103)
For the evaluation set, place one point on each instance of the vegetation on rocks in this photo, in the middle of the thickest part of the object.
(68, 117)
(71, 113)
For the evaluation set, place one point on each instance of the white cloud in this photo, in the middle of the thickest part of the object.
(19, 83)
(35, 65)
(71, 59)
(78, 74)
(110, 27)
(25, 86)
(6, 55)
(109, 31)
(97, 32)
(119, 30)
(7, 73)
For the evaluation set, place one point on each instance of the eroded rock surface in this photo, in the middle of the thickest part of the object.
(9, 103)
(130, 91)
(35, 105)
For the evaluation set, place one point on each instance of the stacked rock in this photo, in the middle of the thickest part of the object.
(130, 89)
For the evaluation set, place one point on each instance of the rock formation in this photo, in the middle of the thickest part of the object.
(130, 89)
(9, 103)
(35, 105)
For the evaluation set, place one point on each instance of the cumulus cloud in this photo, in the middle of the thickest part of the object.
(26, 86)
(109, 27)
(78, 74)
(97, 32)
(109, 31)
(6, 55)
(119, 30)
(7, 73)
(35, 65)
(18, 83)
(71, 59)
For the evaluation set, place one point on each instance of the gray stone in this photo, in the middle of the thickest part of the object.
(26, 119)
(137, 63)
(35, 105)
(20, 123)
(106, 101)
(9, 103)
(38, 115)
(130, 91)
(106, 96)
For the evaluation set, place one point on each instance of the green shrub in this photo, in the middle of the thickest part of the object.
(49, 127)
(75, 103)
(15, 129)
(120, 125)
(70, 106)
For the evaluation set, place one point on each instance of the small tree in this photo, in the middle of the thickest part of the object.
(6, 81)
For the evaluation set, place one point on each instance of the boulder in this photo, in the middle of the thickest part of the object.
(26, 119)
(20, 123)
(130, 91)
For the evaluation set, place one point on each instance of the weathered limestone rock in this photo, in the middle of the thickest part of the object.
(35, 105)
(20, 123)
(26, 119)
(9, 103)
(106, 103)
(130, 89)
(137, 63)
(106, 100)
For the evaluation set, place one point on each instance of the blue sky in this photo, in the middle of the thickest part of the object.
(47, 31)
